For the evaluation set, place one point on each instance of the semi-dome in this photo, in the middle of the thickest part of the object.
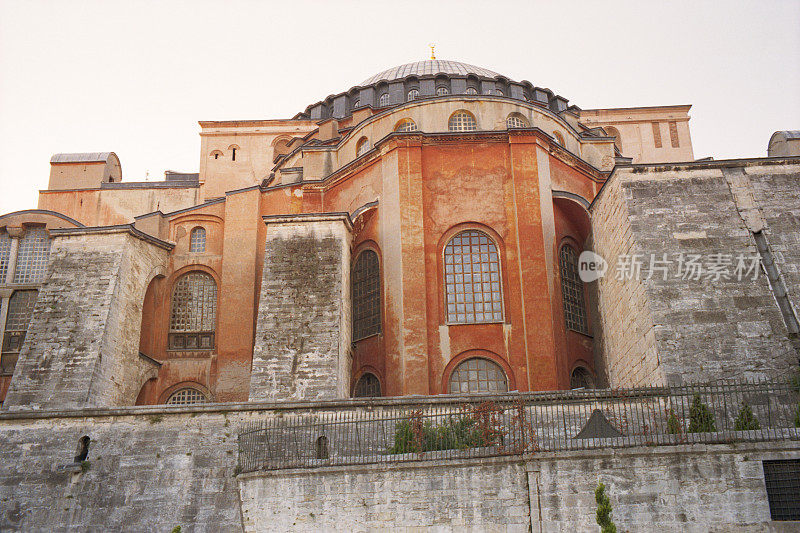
(428, 68)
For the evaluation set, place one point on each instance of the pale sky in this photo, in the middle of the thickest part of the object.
(134, 77)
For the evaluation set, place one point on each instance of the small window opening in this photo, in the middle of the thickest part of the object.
(233, 155)
(216, 156)
(83, 449)
(322, 448)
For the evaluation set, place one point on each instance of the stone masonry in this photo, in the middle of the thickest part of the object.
(82, 346)
(679, 328)
(302, 343)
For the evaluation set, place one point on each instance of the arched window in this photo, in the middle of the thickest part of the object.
(442, 91)
(383, 100)
(5, 255)
(559, 138)
(406, 125)
(216, 154)
(472, 90)
(187, 396)
(34, 247)
(614, 132)
(194, 312)
(515, 120)
(413, 94)
(20, 312)
(366, 297)
(356, 104)
(572, 290)
(478, 375)
(233, 148)
(472, 279)
(462, 121)
(197, 241)
(367, 386)
(581, 379)
(498, 92)
(362, 147)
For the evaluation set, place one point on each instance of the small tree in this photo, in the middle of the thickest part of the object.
(797, 417)
(701, 419)
(604, 510)
(746, 420)
(674, 426)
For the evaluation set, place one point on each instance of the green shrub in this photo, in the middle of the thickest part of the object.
(746, 420)
(674, 426)
(797, 417)
(457, 432)
(604, 510)
(701, 419)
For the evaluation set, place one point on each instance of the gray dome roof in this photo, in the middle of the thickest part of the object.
(429, 67)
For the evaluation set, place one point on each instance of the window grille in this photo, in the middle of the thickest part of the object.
(462, 121)
(478, 375)
(472, 90)
(413, 94)
(197, 242)
(572, 290)
(34, 247)
(472, 279)
(5, 255)
(383, 100)
(366, 283)
(20, 312)
(673, 134)
(442, 91)
(782, 478)
(367, 386)
(406, 125)
(362, 147)
(187, 396)
(516, 121)
(656, 134)
(581, 379)
(194, 312)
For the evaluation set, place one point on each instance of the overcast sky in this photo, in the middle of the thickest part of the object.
(134, 77)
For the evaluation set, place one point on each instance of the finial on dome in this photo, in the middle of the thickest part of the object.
(433, 56)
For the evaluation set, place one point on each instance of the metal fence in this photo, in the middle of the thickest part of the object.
(520, 423)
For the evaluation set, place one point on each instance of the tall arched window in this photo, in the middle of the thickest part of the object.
(406, 125)
(413, 94)
(366, 297)
(462, 121)
(362, 147)
(20, 312)
(478, 375)
(472, 279)
(194, 312)
(5, 255)
(34, 247)
(367, 386)
(383, 100)
(515, 120)
(197, 240)
(572, 290)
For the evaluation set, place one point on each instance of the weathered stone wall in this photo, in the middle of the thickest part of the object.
(82, 346)
(302, 341)
(706, 328)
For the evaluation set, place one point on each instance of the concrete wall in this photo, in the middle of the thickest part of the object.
(707, 328)
(83, 340)
(302, 341)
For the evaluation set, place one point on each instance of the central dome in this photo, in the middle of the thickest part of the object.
(429, 67)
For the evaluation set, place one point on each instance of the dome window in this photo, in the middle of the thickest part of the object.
(406, 125)
(498, 92)
(413, 94)
(356, 104)
(442, 91)
(559, 138)
(515, 120)
(362, 147)
(383, 101)
(472, 90)
(462, 121)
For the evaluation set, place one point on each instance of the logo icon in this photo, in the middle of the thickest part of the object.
(591, 266)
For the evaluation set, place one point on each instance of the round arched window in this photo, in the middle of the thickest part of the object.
(581, 379)
(413, 94)
(515, 120)
(362, 147)
(462, 121)
(472, 279)
(478, 375)
(367, 386)
(383, 101)
(559, 138)
(472, 90)
(406, 125)
(442, 91)
(187, 396)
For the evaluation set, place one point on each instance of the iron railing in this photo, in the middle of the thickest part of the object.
(460, 427)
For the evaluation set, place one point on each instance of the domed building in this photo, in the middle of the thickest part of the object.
(416, 234)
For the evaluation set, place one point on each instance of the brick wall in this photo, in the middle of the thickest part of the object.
(82, 346)
(302, 341)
